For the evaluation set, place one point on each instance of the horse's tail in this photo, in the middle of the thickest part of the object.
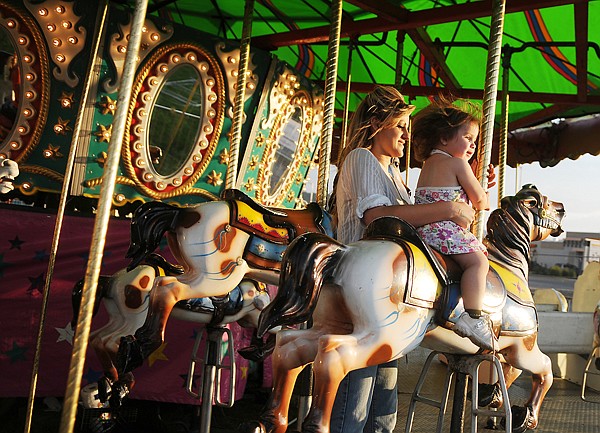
(101, 292)
(308, 260)
(150, 222)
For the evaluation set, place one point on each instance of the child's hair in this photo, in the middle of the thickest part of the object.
(386, 105)
(441, 121)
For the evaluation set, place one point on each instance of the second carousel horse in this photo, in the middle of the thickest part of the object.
(218, 244)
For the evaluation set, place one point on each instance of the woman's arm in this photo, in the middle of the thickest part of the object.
(421, 214)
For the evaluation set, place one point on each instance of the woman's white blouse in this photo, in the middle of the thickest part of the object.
(363, 184)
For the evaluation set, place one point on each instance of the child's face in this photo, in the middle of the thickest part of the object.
(463, 144)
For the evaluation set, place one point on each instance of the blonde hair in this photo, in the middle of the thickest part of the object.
(385, 105)
(381, 109)
(441, 121)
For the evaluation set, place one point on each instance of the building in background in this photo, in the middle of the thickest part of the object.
(575, 251)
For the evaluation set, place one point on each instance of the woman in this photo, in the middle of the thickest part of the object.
(369, 186)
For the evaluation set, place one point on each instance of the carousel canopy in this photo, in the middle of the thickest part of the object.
(427, 47)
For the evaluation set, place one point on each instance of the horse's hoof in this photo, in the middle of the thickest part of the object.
(120, 391)
(522, 417)
(490, 395)
(130, 355)
(104, 389)
(252, 427)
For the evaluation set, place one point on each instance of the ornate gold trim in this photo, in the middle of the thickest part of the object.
(35, 84)
(148, 83)
(299, 98)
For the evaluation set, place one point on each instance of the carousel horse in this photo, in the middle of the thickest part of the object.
(377, 299)
(218, 244)
(9, 170)
(125, 295)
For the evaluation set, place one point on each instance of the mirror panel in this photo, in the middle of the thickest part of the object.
(175, 120)
(177, 113)
(24, 84)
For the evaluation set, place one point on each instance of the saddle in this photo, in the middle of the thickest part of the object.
(271, 230)
(506, 295)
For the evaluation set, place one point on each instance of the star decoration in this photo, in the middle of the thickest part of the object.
(103, 133)
(306, 159)
(214, 178)
(299, 179)
(260, 140)
(261, 248)
(253, 162)
(41, 255)
(185, 379)
(291, 196)
(52, 152)
(66, 99)
(3, 265)
(158, 355)
(37, 283)
(101, 159)
(249, 185)
(62, 126)
(17, 353)
(16, 243)
(92, 375)
(65, 334)
(224, 157)
(107, 105)
(244, 372)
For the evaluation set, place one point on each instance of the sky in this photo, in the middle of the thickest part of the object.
(575, 183)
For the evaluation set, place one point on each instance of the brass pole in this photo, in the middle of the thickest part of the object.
(240, 93)
(344, 137)
(489, 103)
(400, 36)
(101, 21)
(82, 333)
(503, 141)
(329, 108)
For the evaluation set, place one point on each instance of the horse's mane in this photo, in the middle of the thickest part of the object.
(508, 238)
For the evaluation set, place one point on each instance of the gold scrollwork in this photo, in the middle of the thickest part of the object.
(31, 73)
(148, 84)
(294, 98)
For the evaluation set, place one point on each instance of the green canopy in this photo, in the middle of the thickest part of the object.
(427, 47)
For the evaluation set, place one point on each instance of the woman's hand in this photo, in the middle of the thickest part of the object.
(463, 214)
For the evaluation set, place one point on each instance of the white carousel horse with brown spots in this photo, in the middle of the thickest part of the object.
(125, 296)
(373, 301)
(9, 170)
(218, 244)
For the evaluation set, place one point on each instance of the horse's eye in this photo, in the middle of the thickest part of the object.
(531, 202)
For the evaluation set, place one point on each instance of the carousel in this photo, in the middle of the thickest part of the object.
(165, 168)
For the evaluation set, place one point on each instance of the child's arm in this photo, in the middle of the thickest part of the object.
(477, 196)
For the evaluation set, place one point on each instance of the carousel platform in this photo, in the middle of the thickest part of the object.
(563, 410)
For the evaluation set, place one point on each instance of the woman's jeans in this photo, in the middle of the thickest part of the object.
(367, 400)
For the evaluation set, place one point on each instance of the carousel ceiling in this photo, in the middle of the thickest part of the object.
(430, 46)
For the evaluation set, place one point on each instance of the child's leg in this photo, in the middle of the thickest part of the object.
(472, 284)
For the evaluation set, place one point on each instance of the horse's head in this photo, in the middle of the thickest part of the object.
(8, 171)
(537, 214)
